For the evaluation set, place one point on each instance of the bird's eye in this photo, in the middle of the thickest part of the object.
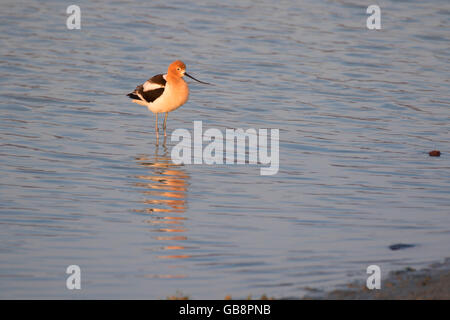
(178, 69)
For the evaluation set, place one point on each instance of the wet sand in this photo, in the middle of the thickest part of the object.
(432, 283)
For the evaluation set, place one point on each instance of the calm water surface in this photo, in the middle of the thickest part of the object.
(82, 181)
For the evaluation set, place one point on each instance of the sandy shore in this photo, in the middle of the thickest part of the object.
(432, 283)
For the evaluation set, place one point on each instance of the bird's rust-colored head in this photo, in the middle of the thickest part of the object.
(177, 68)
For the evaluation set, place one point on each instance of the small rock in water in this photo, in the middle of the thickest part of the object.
(399, 246)
(435, 153)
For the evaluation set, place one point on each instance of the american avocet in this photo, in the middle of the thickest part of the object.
(164, 92)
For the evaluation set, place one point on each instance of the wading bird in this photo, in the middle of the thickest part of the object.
(164, 92)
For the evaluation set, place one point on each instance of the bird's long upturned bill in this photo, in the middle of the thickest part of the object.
(195, 79)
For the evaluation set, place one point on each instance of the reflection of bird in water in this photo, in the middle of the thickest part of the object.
(164, 186)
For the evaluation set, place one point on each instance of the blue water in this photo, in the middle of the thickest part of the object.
(83, 182)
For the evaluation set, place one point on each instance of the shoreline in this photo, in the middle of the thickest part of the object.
(430, 283)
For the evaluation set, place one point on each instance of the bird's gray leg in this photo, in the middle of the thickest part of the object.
(165, 121)
(156, 125)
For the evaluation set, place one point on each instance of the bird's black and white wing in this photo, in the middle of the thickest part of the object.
(151, 90)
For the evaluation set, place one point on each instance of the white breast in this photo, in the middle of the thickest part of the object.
(174, 96)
